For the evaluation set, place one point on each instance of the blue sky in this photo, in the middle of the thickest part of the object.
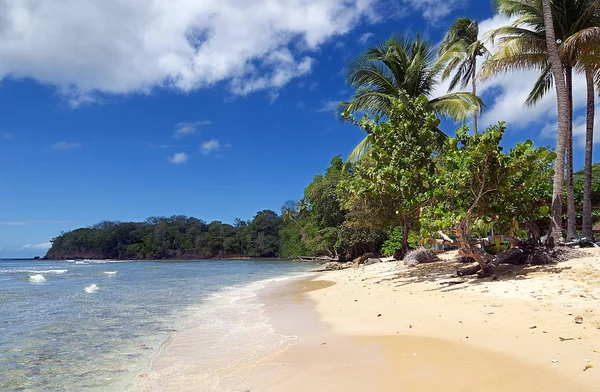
(115, 111)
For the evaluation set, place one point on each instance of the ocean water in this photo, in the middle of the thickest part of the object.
(98, 326)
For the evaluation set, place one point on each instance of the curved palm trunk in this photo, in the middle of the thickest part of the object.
(474, 83)
(571, 215)
(562, 100)
(589, 141)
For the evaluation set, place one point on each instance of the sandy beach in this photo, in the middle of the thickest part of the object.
(386, 327)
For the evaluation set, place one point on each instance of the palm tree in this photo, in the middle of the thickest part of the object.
(524, 46)
(289, 216)
(303, 207)
(462, 39)
(584, 45)
(401, 64)
(562, 100)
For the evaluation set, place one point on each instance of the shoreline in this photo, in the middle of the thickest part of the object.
(232, 258)
(386, 327)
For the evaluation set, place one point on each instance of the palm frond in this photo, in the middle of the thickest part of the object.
(516, 7)
(358, 152)
(543, 84)
(366, 73)
(512, 58)
(584, 40)
(458, 105)
(369, 101)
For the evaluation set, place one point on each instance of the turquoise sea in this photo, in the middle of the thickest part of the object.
(97, 325)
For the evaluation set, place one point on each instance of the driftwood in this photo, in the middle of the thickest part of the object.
(521, 253)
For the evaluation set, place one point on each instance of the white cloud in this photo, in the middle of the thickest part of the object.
(186, 128)
(433, 10)
(328, 106)
(313, 86)
(134, 46)
(178, 157)
(364, 38)
(273, 95)
(63, 146)
(209, 146)
(579, 129)
(42, 246)
(7, 135)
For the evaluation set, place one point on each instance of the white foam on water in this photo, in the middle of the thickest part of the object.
(55, 272)
(110, 273)
(35, 272)
(37, 278)
(80, 262)
(227, 332)
(91, 288)
(106, 261)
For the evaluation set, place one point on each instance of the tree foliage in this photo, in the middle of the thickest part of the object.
(475, 182)
(392, 181)
(177, 237)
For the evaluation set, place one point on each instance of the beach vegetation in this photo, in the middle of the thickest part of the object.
(391, 182)
(402, 65)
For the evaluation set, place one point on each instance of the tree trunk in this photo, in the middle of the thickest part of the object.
(589, 142)
(474, 83)
(405, 228)
(571, 215)
(486, 261)
(562, 100)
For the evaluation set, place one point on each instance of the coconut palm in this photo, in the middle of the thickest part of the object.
(523, 45)
(584, 45)
(462, 40)
(303, 207)
(401, 64)
(562, 99)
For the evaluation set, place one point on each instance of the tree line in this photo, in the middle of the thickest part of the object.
(176, 237)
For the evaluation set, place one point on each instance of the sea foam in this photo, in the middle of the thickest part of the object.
(37, 278)
(55, 272)
(110, 273)
(91, 288)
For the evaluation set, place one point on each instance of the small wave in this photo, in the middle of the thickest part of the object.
(55, 272)
(91, 288)
(34, 272)
(37, 278)
(106, 261)
(81, 262)
(110, 273)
